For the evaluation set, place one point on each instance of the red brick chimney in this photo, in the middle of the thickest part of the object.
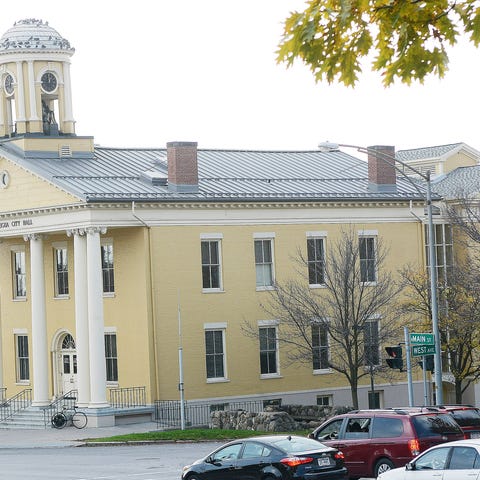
(182, 167)
(381, 169)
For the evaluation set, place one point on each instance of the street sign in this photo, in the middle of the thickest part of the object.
(421, 350)
(422, 339)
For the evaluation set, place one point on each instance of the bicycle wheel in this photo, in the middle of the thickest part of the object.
(79, 420)
(59, 420)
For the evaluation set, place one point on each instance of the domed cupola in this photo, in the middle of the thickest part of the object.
(35, 86)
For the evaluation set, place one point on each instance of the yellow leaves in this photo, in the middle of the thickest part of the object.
(406, 38)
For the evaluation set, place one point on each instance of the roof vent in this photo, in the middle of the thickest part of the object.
(65, 151)
(155, 178)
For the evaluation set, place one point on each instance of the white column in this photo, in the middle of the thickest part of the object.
(67, 91)
(96, 333)
(81, 316)
(21, 93)
(39, 323)
(32, 92)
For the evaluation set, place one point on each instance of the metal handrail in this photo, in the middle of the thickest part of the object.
(67, 400)
(18, 402)
(128, 397)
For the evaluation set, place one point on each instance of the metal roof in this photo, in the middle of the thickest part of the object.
(459, 183)
(118, 174)
(425, 153)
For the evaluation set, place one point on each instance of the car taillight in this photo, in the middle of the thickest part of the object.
(414, 447)
(339, 456)
(295, 461)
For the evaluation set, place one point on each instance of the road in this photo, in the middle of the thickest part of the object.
(134, 462)
(139, 462)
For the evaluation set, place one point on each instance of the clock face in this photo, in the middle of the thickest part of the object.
(8, 84)
(49, 82)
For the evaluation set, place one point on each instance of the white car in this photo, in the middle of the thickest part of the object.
(459, 460)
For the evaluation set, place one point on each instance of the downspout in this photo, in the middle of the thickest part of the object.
(152, 299)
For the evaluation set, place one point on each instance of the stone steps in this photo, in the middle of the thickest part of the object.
(28, 418)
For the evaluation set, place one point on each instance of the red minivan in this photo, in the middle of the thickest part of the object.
(374, 441)
(467, 416)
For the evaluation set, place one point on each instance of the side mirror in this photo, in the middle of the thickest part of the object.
(410, 466)
(311, 435)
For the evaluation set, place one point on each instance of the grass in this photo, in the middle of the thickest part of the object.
(193, 435)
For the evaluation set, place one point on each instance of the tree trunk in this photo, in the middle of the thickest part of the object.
(458, 391)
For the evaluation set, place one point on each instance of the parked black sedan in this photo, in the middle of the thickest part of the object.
(274, 457)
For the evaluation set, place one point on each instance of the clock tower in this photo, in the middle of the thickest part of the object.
(35, 87)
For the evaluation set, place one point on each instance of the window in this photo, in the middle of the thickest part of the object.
(316, 261)
(463, 458)
(264, 263)
(23, 369)
(111, 357)
(357, 428)
(368, 273)
(268, 350)
(214, 354)
(371, 343)
(61, 271)
(443, 247)
(324, 400)
(19, 274)
(320, 347)
(211, 271)
(374, 399)
(107, 268)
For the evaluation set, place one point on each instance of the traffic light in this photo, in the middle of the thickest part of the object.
(394, 359)
(429, 362)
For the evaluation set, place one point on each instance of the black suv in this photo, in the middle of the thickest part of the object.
(374, 441)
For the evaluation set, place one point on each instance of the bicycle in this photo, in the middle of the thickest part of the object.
(77, 419)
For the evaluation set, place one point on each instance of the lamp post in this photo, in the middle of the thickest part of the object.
(391, 160)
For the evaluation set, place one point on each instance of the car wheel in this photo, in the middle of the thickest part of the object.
(193, 477)
(383, 465)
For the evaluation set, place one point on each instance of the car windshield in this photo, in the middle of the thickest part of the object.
(298, 444)
(433, 425)
(466, 418)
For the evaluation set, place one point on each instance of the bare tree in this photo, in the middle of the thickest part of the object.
(464, 213)
(352, 309)
(459, 318)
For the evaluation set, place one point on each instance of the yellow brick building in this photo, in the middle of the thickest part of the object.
(117, 262)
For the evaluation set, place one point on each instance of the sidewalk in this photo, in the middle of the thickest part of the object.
(66, 437)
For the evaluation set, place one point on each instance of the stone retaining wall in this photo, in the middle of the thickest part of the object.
(275, 419)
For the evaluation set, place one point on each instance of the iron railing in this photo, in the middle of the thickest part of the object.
(68, 401)
(18, 402)
(127, 397)
(3, 396)
(168, 413)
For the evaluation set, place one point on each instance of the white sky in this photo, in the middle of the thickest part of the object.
(209, 70)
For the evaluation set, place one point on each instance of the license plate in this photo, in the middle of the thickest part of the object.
(475, 435)
(324, 462)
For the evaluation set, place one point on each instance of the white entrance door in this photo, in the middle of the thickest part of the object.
(68, 365)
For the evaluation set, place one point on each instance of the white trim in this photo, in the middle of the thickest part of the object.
(218, 241)
(320, 234)
(211, 236)
(215, 326)
(268, 323)
(367, 233)
(264, 235)
(20, 331)
(110, 330)
(221, 329)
